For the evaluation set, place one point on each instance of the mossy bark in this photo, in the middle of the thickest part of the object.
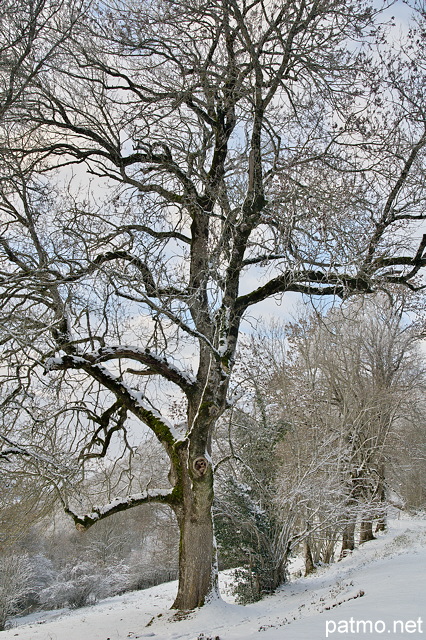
(198, 580)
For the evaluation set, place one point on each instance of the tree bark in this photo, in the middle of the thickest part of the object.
(309, 563)
(348, 538)
(278, 577)
(328, 552)
(348, 534)
(381, 492)
(381, 524)
(198, 576)
(366, 531)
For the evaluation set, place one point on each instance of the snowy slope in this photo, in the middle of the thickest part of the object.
(381, 587)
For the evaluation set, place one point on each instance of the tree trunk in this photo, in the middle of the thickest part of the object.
(309, 563)
(366, 531)
(198, 569)
(348, 533)
(381, 524)
(198, 577)
(348, 538)
(328, 551)
(279, 575)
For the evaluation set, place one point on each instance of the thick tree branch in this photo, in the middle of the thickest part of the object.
(132, 400)
(85, 521)
(159, 365)
(388, 215)
(304, 282)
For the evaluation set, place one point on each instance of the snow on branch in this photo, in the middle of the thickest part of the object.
(12, 451)
(85, 521)
(131, 399)
(157, 364)
(15, 449)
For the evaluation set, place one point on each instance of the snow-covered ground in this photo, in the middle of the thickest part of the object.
(378, 591)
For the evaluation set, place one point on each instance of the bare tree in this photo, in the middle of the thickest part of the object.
(29, 36)
(365, 374)
(305, 448)
(166, 156)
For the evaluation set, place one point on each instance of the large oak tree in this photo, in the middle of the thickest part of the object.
(166, 166)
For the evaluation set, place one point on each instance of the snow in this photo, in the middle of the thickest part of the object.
(381, 585)
(137, 397)
(135, 497)
(52, 364)
(140, 354)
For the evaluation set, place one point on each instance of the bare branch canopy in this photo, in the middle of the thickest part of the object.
(166, 166)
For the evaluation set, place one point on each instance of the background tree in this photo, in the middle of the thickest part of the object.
(164, 157)
(406, 475)
(363, 375)
(24, 500)
(283, 489)
(68, 568)
(314, 449)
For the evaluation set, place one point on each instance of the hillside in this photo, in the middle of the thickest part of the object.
(381, 587)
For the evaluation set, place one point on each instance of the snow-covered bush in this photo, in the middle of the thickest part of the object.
(15, 580)
(84, 583)
(43, 574)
